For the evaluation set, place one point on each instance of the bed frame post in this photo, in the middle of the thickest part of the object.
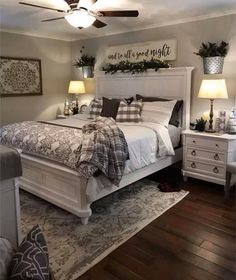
(85, 211)
(187, 97)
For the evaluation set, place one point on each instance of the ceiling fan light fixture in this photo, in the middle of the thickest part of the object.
(80, 18)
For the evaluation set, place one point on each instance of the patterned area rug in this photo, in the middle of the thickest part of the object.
(74, 248)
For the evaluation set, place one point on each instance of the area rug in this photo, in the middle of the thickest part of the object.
(74, 248)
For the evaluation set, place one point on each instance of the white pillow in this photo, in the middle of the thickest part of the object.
(158, 111)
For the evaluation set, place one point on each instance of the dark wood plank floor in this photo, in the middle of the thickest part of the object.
(196, 239)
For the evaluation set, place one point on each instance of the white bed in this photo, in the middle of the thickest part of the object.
(63, 187)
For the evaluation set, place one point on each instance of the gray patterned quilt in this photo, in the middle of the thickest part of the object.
(100, 146)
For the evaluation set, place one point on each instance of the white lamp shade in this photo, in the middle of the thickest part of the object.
(80, 18)
(213, 89)
(76, 87)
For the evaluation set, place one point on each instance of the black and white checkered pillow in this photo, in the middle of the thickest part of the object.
(95, 108)
(129, 113)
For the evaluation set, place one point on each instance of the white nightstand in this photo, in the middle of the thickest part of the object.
(206, 155)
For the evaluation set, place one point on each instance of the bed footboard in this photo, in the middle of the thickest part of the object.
(57, 184)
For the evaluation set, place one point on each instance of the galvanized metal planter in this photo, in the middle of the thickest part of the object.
(88, 71)
(213, 65)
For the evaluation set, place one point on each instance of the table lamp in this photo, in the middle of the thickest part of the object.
(76, 87)
(213, 89)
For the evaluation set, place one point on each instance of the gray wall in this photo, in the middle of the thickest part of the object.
(189, 37)
(55, 58)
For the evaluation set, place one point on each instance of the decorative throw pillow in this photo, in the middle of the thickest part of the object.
(6, 254)
(149, 98)
(31, 259)
(174, 120)
(129, 113)
(95, 108)
(110, 107)
(158, 112)
(129, 100)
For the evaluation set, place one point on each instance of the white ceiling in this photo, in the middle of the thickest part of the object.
(27, 20)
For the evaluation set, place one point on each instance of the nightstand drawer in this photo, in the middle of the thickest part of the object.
(204, 168)
(206, 143)
(215, 157)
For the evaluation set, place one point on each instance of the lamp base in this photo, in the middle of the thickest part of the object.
(210, 131)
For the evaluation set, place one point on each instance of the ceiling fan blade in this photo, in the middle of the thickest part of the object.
(99, 24)
(128, 13)
(51, 19)
(42, 7)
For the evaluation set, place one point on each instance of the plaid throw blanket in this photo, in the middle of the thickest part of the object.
(99, 147)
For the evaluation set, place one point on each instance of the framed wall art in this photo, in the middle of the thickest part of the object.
(20, 76)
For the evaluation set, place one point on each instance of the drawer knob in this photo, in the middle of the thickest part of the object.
(193, 153)
(216, 170)
(216, 157)
(193, 165)
(194, 142)
(217, 145)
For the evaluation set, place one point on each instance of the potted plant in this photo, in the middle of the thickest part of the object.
(86, 62)
(213, 56)
(200, 124)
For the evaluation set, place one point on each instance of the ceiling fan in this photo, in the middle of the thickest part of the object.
(80, 14)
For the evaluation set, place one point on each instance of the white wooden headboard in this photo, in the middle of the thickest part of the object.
(173, 83)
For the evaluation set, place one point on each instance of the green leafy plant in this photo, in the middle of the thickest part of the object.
(84, 60)
(200, 124)
(134, 67)
(213, 49)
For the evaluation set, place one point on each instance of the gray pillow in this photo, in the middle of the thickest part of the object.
(110, 107)
(6, 254)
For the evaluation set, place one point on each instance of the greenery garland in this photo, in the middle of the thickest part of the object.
(135, 67)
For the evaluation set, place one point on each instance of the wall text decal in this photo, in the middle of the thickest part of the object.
(163, 50)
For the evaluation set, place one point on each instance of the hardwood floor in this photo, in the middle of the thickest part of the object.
(196, 239)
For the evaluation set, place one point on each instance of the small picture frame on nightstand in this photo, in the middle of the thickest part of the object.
(83, 109)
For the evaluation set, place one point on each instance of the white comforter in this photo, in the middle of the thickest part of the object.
(146, 141)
